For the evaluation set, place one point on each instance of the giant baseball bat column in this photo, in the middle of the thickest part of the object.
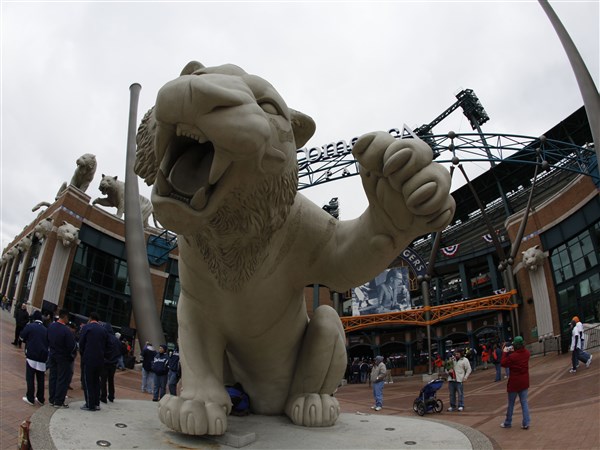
(589, 91)
(147, 321)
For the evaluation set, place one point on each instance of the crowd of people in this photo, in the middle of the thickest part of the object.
(52, 345)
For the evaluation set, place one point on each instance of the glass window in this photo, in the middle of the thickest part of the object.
(575, 248)
(584, 287)
(169, 311)
(595, 282)
(99, 282)
(576, 272)
(579, 266)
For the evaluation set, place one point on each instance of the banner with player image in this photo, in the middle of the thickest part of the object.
(388, 292)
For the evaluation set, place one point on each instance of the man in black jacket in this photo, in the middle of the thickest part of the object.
(93, 344)
(174, 371)
(21, 319)
(35, 337)
(148, 354)
(111, 358)
(62, 351)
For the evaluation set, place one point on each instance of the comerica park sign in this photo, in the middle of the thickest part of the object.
(334, 150)
(414, 261)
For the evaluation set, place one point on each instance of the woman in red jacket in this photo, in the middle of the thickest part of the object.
(517, 360)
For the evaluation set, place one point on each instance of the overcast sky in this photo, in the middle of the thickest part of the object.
(354, 67)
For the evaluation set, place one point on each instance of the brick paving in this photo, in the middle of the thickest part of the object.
(564, 407)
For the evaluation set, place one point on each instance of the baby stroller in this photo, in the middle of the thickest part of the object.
(426, 401)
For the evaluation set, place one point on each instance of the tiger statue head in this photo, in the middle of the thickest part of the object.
(232, 140)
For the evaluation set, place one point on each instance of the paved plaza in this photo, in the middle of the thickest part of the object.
(565, 408)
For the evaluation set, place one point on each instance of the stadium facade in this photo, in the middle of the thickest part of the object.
(472, 296)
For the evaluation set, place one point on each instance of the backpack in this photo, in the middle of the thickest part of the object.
(239, 400)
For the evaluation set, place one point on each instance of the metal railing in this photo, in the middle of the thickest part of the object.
(591, 336)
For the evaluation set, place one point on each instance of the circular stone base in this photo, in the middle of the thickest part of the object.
(134, 424)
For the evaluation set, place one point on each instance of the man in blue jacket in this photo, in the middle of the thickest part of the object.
(93, 344)
(160, 369)
(35, 337)
(62, 351)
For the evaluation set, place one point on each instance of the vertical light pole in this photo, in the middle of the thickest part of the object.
(142, 295)
(589, 92)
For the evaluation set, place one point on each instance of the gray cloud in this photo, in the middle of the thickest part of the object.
(354, 67)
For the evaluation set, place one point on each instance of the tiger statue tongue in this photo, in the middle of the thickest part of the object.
(220, 148)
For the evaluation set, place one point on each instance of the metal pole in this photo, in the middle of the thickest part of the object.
(426, 303)
(589, 92)
(147, 322)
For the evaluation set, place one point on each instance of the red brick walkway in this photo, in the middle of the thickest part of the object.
(565, 408)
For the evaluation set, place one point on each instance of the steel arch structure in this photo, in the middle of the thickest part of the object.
(336, 160)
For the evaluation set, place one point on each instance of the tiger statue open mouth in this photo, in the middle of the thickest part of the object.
(220, 148)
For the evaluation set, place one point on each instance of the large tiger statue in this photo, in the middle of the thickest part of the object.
(220, 148)
(83, 175)
(114, 190)
(81, 179)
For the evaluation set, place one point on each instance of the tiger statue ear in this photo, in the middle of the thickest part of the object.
(303, 127)
(191, 67)
(145, 161)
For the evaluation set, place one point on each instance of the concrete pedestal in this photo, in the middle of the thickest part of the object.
(134, 424)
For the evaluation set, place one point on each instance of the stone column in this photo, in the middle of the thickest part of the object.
(13, 269)
(23, 273)
(541, 301)
(56, 274)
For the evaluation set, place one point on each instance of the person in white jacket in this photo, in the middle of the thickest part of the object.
(457, 375)
(578, 345)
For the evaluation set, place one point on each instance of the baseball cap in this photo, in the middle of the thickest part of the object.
(518, 340)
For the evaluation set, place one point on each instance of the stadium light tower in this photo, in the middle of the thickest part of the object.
(333, 207)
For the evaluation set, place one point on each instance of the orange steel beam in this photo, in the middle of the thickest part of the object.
(437, 313)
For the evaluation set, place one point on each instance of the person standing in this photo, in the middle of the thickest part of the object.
(123, 352)
(147, 355)
(62, 351)
(174, 371)
(517, 360)
(458, 374)
(485, 356)
(364, 371)
(160, 369)
(93, 344)
(496, 359)
(438, 362)
(21, 320)
(377, 381)
(35, 337)
(111, 359)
